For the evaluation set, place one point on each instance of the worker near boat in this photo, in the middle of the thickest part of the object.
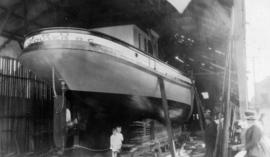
(210, 133)
(116, 140)
(254, 142)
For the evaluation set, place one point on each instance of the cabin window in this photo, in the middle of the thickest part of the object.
(139, 40)
(136, 41)
(142, 43)
(150, 48)
(145, 45)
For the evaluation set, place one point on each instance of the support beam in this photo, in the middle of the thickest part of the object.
(167, 118)
(240, 53)
(12, 36)
(59, 130)
(227, 107)
(217, 74)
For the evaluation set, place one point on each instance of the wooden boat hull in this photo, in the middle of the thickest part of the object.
(108, 83)
(105, 66)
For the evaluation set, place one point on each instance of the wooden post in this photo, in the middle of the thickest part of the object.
(227, 115)
(60, 120)
(239, 51)
(167, 118)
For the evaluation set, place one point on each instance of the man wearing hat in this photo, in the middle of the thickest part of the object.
(254, 136)
(250, 136)
(210, 133)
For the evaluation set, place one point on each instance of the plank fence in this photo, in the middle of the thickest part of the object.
(26, 110)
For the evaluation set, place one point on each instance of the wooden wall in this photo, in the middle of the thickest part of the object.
(26, 110)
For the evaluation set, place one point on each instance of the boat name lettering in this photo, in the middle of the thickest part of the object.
(57, 36)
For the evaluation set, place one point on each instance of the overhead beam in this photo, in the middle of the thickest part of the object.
(13, 35)
(19, 16)
(211, 73)
(6, 15)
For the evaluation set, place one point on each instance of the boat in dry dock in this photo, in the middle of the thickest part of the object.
(109, 82)
(97, 61)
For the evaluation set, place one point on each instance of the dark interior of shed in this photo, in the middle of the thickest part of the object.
(198, 36)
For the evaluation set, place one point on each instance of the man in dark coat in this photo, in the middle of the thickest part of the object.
(210, 135)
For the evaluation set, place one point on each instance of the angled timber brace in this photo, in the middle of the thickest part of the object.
(167, 118)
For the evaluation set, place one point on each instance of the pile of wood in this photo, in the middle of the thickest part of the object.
(140, 132)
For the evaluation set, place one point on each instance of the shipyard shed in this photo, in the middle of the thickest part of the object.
(194, 37)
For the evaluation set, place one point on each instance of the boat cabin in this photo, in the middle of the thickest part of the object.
(133, 35)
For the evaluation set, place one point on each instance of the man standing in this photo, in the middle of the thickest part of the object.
(116, 141)
(210, 136)
(210, 133)
(254, 142)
